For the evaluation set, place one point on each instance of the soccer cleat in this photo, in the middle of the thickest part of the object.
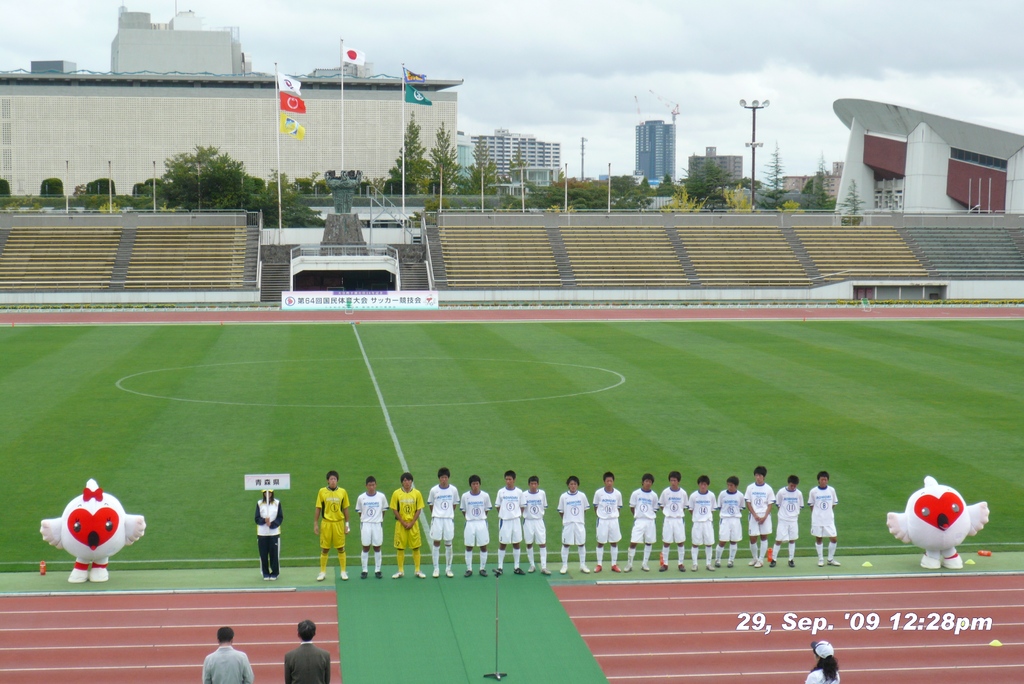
(437, 573)
(518, 571)
(499, 572)
(710, 567)
(533, 568)
(266, 578)
(545, 571)
(771, 564)
(449, 573)
(321, 577)
(564, 570)
(468, 573)
(751, 562)
(363, 574)
(694, 568)
(398, 575)
(832, 561)
(682, 568)
(629, 568)
(420, 575)
(792, 564)
(584, 569)
(273, 578)
(344, 576)
(645, 567)
(758, 564)
(597, 568)
(483, 573)
(821, 563)
(378, 575)
(718, 563)
(729, 564)
(663, 568)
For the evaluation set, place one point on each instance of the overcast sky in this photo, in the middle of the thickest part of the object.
(566, 69)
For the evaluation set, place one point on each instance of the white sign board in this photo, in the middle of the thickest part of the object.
(418, 300)
(260, 482)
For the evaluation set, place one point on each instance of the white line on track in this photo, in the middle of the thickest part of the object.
(114, 628)
(705, 632)
(745, 674)
(121, 668)
(709, 597)
(108, 647)
(185, 609)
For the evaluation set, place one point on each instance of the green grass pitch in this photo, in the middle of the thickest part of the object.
(170, 418)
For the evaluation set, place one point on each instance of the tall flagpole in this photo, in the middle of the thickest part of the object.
(341, 70)
(401, 131)
(277, 138)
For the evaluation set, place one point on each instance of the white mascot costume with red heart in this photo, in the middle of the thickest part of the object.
(936, 520)
(93, 528)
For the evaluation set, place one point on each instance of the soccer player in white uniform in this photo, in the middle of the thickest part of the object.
(443, 499)
(534, 502)
(760, 497)
(607, 502)
(510, 522)
(572, 506)
(371, 506)
(474, 506)
(643, 503)
(789, 501)
(702, 506)
(822, 500)
(673, 502)
(731, 505)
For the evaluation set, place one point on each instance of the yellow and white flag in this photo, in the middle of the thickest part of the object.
(292, 127)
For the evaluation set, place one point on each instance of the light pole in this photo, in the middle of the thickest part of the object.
(110, 187)
(753, 144)
(154, 186)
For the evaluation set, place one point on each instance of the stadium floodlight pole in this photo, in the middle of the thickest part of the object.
(277, 140)
(67, 172)
(753, 144)
(154, 186)
(566, 183)
(583, 147)
(609, 187)
(110, 187)
(522, 178)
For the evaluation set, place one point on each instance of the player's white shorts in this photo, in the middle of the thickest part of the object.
(371, 534)
(756, 529)
(788, 531)
(510, 531)
(534, 532)
(608, 531)
(730, 530)
(823, 530)
(703, 534)
(673, 531)
(476, 533)
(442, 529)
(644, 530)
(574, 534)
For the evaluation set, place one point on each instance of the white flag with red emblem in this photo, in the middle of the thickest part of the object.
(288, 84)
(353, 56)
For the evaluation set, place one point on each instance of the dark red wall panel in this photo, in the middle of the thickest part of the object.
(969, 184)
(888, 158)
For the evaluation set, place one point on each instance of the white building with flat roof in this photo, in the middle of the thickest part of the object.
(503, 146)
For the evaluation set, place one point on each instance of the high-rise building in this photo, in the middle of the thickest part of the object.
(730, 163)
(180, 46)
(503, 146)
(656, 150)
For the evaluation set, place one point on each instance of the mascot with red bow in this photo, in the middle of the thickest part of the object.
(936, 520)
(93, 527)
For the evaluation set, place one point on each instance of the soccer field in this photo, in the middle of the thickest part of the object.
(170, 418)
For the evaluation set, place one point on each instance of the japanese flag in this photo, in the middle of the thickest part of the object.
(288, 84)
(354, 56)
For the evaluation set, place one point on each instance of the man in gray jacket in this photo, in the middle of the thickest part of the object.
(307, 664)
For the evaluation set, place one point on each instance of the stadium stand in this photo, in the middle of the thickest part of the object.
(623, 256)
(742, 256)
(844, 252)
(42, 258)
(498, 257)
(975, 252)
(188, 257)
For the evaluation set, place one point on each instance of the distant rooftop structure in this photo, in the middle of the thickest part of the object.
(180, 46)
(59, 66)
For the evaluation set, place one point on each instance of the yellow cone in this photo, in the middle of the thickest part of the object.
(995, 642)
(969, 561)
(867, 564)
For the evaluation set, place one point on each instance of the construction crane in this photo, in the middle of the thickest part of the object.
(639, 116)
(674, 106)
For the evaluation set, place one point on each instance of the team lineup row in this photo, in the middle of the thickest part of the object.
(521, 520)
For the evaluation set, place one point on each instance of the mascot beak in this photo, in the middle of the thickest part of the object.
(943, 521)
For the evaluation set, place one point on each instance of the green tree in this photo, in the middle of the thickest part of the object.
(818, 195)
(774, 180)
(444, 162)
(682, 203)
(707, 183)
(852, 206)
(737, 200)
(51, 186)
(483, 172)
(417, 167)
(5, 188)
(205, 179)
(145, 188)
(294, 214)
(666, 188)
(627, 194)
(100, 186)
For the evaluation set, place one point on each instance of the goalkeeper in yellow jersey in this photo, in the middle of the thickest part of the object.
(332, 509)
(407, 504)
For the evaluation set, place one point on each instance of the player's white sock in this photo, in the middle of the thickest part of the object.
(831, 550)
(565, 555)
(543, 558)
(764, 550)
(695, 553)
(448, 556)
(435, 552)
(630, 555)
(819, 548)
(364, 557)
(516, 555)
(483, 559)
(681, 553)
(600, 555)
(376, 560)
(775, 550)
(733, 548)
(529, 555)
(753, 550)
(501, 558)
(615, 554)
(792, 550)
(708, 552)
(718, 554)
(583, 554)
(469, 560)
(647, 553)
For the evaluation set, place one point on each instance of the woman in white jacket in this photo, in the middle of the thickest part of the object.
(269, 517)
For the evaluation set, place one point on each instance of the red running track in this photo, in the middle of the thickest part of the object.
(705, 632)
(155, 638)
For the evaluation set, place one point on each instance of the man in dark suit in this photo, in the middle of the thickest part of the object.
(307, 664)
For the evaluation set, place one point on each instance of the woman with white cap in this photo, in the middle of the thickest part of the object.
(826, 670)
